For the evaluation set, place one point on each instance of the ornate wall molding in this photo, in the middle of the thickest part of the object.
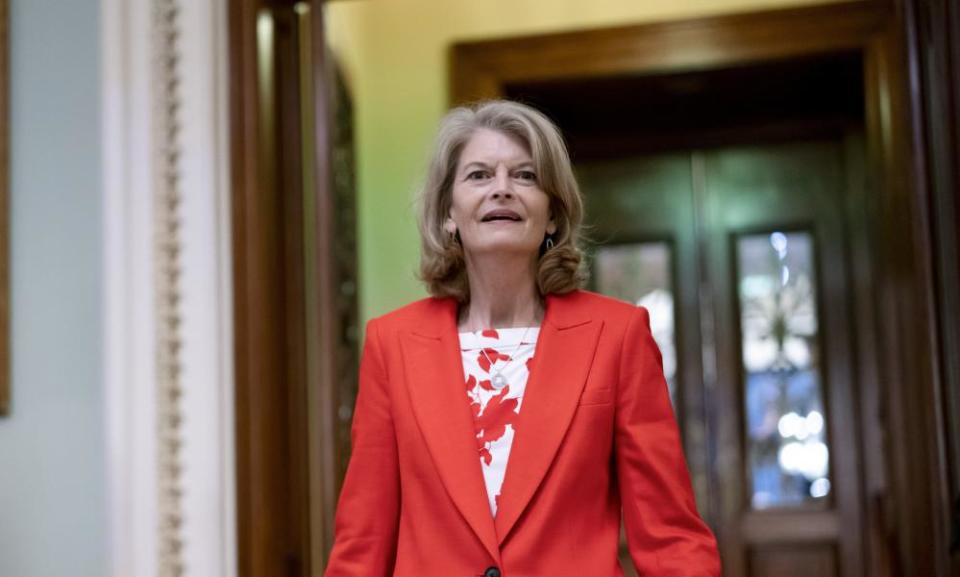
(167, 251)
(167, 289)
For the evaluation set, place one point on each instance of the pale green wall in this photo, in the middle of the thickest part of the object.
(394, 55)
(53, 507)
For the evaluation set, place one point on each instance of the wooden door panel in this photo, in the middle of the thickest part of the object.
(790, 190)
(818, 560)
(713, 209)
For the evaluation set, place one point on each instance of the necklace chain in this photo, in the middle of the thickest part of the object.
(498, 380)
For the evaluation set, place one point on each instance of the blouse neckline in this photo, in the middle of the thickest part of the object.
(498, 337)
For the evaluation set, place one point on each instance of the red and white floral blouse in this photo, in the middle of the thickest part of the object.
(495, 410)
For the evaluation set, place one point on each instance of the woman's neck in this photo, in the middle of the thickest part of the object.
(502, 295)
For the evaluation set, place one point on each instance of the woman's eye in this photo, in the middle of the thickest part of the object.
(476, 175)
(527, 175)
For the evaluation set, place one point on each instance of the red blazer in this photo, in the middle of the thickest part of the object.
(596, 436)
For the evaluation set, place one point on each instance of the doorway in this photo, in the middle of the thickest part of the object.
(727, 213)
(729, 187)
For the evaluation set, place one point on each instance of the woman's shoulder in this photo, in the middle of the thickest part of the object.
(580, 306)
(596, 303)
(621, 320)
(426, 312)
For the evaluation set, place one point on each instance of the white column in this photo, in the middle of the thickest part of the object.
(146, 90)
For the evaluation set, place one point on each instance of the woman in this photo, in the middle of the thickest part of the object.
(510, 362)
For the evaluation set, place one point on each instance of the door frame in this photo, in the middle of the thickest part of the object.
(287, 320)
(902, 437)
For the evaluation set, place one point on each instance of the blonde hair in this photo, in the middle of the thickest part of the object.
(442, 265)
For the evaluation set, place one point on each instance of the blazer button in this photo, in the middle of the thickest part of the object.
(491, 572)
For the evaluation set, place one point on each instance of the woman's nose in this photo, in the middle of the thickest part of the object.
(502, 185)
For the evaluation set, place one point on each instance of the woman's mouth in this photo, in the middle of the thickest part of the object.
(501, 215)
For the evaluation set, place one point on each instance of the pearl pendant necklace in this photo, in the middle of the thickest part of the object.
(498, 380)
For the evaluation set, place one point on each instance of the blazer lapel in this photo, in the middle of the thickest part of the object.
(434, 377)
(564, 354)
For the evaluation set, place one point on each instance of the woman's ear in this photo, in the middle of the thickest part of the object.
(450, 226)
(551, 224)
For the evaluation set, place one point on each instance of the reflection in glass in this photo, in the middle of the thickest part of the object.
(787, 449)
(641, 273)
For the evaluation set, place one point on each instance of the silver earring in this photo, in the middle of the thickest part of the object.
(549, 242)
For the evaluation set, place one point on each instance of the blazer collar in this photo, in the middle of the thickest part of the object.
(436, 384)
(562, 312)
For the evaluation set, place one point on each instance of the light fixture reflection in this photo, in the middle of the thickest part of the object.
(778, 241)
(820, 488)
(809, 459)
(814, 422)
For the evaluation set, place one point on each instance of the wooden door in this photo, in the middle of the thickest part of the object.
(745, 248)
(295, 298)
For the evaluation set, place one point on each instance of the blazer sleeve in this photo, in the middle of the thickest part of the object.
(665, 534)
(368, 511)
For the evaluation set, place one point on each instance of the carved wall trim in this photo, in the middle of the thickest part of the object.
(167, 289)
(167, 251)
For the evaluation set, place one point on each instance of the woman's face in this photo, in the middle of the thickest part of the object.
(497, 204)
